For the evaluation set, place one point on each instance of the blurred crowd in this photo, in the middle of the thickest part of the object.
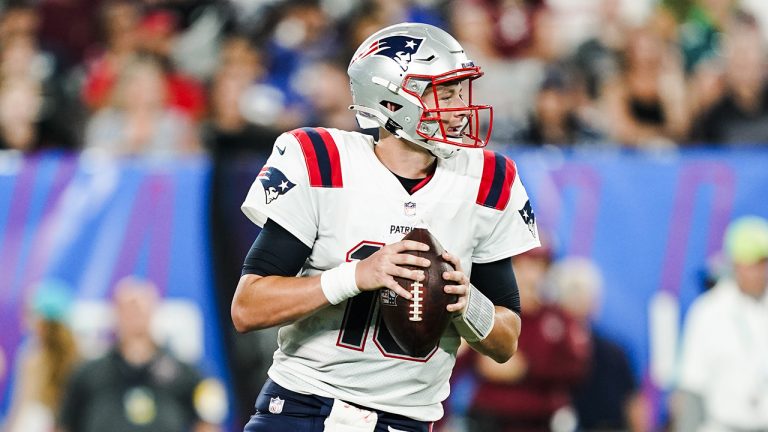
(566, 374)
(174, 77)
(138, 384)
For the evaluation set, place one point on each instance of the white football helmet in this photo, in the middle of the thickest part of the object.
(395, 66)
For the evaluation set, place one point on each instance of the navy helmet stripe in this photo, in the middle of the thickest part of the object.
(323, 159)
(499, 173)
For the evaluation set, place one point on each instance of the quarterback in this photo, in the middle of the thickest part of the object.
(334, 207)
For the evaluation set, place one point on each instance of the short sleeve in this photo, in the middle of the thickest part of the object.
(281, 192)
(514, 227)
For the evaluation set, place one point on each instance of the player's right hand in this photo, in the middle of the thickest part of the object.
(380, 269)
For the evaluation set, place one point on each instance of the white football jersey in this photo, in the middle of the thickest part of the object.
(328, 188)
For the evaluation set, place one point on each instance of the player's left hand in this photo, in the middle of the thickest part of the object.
(461, 286)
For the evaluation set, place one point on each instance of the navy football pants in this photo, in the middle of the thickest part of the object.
(307, 413)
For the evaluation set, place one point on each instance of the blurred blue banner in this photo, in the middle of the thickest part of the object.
(649, 220)
(93, 222)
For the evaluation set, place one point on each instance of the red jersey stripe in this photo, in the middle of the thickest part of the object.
(506, 190)
(489, 167)
(310, 157)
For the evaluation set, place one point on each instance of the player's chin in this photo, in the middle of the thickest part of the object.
(454, 132)
(457, 138)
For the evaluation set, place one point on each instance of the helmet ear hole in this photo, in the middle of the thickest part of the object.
(391, 106)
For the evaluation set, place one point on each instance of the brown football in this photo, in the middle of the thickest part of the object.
(416, 325)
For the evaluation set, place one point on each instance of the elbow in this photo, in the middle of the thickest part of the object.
(240, 318)
(245, 320)
(504, 355)
(244, 311)
(245, 317)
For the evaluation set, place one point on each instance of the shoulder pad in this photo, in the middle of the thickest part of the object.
(499, 173)
(321, 156)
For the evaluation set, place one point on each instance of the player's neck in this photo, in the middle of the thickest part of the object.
(137, 350)
(403, 158)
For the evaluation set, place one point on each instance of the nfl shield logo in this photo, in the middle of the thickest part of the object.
(276, 405)
(410, 208)
(388, 297)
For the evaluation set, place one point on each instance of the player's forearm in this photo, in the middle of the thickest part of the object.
(501, 343)
(262, 302)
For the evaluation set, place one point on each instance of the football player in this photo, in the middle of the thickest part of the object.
(334, 206)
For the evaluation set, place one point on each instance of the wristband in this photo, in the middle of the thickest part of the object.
(339, 283)
(476, 322)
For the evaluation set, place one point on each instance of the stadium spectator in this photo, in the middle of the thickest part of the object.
(598, 58)
(472, 22)
(703, 29)
(229, 134)
(158, 32)
(71, 44)
(608, 399)
(741, 115)
(327, 95)
(556, 119)
(705, 88)
(20, 105)
(139, 122)
(514, 24)
(722, 376)
(396, 11)
(30, 79)
(526, 392)
(203, 26)
(303, 35)
(137, 386)
(120, 20)
(645, 105)
(44, 364)
(18, 19)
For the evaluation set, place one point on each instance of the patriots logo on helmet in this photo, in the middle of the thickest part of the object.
(398, 48)
(275, 183)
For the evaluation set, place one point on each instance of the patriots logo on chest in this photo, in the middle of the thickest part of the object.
(275, 183)
(400, 49)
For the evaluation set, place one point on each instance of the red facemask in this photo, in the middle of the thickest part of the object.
(477, 117)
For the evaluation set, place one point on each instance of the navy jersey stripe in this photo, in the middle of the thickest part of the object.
(499, 173)
(323, 159)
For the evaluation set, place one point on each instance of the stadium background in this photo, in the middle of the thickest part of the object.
(75, 206)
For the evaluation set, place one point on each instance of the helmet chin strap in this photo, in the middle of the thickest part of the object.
(370, 112)
(437, 149)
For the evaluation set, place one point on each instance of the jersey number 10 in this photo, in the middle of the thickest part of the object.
(361, 311)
